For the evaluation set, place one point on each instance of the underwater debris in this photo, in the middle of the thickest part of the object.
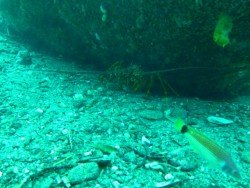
(222, 30)
(219, 120)
(207, 148)
(155, 166)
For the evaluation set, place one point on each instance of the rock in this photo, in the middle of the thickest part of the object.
(23, 57)
(183, 158)
(130, 157)
(83, 172)
(149, 49)
(78, 100)
(151, 114)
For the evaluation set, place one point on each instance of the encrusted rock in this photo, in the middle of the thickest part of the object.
(183, 158)
(78, 100)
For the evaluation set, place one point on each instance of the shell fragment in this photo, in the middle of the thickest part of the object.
(219, 120)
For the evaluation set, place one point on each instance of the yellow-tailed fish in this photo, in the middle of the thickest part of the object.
(212, 152)
(222, 30)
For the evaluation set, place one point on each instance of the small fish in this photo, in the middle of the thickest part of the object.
(222, 30)
(212, 152)
(105, 148)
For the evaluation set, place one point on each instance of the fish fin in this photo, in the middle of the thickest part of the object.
(179, 123)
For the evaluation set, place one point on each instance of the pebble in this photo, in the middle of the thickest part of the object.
(78, 100)
(116, 184)
(39, 111)
(168, 176)
(114, 168)
(23, 57)
(83, 172)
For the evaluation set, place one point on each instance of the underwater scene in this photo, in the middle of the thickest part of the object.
(125, 93)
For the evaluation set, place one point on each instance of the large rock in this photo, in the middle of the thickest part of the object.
(156, 35)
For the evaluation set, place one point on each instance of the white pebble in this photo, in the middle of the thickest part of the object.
(39, 110)
(78, 97)
(26, 170)
(65, 131)
(114, 168)
(168, 176)
(15, 169)
(116, 184)
(154, 166)
(145, 141)
(88, 153)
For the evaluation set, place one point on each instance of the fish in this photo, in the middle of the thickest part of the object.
(222, 30)
(105, 148)
(208, 149)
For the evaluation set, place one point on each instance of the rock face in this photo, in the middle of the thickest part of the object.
(155, 35)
